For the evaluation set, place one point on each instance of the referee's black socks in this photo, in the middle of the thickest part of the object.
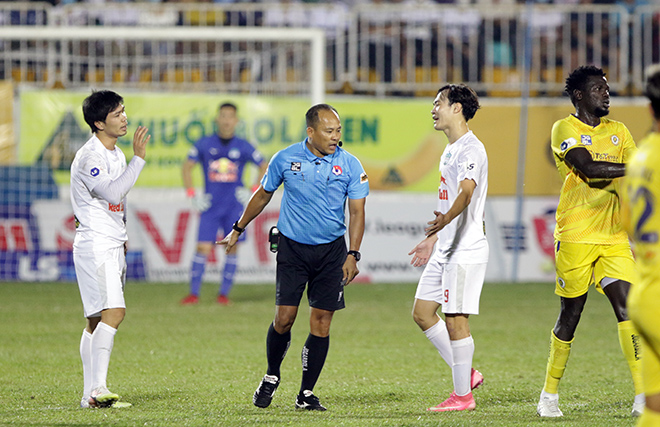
(276, 347)
(313, 358)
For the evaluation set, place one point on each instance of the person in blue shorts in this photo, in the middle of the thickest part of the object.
(318, 178)
(223, 157)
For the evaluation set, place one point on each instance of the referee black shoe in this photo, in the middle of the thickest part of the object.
(307, 400)
(265, 391)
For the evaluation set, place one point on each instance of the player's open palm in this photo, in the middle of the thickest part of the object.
(140, 141)
(422, 252)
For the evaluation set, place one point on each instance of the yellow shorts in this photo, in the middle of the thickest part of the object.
(580, 265)
(643, 311)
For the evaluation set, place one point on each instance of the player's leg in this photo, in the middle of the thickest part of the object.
(100, 281)
(426, 316)
(197, 269)
(462, 285)
(428, 299)
(291, 277)
(228, 272)
(614, 272)
(629, 340)
(86, 357)
(231, 258)
(642, 305)
(108, 268)
(208, 229)
(326, 295)
(574, 272)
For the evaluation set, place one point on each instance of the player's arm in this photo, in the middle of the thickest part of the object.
(356, 217)
(580, 159)
(465, 190)
(114, 191)
(255, 206)
(186, 174)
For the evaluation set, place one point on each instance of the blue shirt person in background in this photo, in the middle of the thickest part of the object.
(223, 157)
(318, 178)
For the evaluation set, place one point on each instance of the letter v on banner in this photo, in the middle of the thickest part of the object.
(172, 252)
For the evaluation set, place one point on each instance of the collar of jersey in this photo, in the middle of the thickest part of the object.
(312, 158)
(586, 126)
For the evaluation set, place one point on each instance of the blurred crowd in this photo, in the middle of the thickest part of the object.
(397, 43)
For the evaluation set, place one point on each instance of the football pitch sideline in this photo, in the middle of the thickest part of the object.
(199, 365)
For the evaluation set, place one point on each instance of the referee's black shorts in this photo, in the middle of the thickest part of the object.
(319, 266)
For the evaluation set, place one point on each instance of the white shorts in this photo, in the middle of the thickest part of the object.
(101, 279)
(457, 287)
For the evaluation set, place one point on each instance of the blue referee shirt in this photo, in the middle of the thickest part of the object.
(315, 192)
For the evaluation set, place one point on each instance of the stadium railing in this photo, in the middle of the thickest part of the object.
(388, 49)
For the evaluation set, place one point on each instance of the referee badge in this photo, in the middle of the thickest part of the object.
(296, 166)
(336, 169)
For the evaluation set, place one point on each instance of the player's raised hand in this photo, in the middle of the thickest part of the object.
(140, 141)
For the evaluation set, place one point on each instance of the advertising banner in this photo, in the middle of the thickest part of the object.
(163, 230)
(394, 140)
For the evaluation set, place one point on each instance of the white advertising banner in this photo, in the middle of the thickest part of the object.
(163, 232)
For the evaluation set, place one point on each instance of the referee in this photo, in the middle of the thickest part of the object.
(318, 177)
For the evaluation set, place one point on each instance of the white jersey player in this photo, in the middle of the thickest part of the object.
(455, 270)
(100, 180)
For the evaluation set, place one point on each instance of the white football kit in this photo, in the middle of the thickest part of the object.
(100, 181)
(455, 273)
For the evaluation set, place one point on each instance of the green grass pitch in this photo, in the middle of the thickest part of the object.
(199, 365)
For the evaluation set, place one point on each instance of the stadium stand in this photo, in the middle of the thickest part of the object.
(399, 48)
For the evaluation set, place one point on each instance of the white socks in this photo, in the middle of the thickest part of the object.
(101, 347)
(86, 357)
(462, 350)
(439, 337)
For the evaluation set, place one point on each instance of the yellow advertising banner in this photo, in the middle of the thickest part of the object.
(394, 139)
(7, 146)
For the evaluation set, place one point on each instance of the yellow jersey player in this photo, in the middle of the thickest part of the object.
(590, 244)
(641, 217)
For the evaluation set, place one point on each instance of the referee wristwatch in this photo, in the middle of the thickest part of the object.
(356, 255)
(237, 229)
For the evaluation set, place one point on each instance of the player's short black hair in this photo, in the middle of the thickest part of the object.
(228, 105)
(98, 105)
(312, 115)
(577, 80)
(463, 95)
(652, 88)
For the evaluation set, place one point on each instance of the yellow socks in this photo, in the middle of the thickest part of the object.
(631, 345)
(557, 359)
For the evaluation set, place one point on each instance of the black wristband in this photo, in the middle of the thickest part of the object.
(236, 228)
(355, 254)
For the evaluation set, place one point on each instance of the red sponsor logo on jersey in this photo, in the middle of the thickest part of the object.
(443, 194)
(116, 208)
